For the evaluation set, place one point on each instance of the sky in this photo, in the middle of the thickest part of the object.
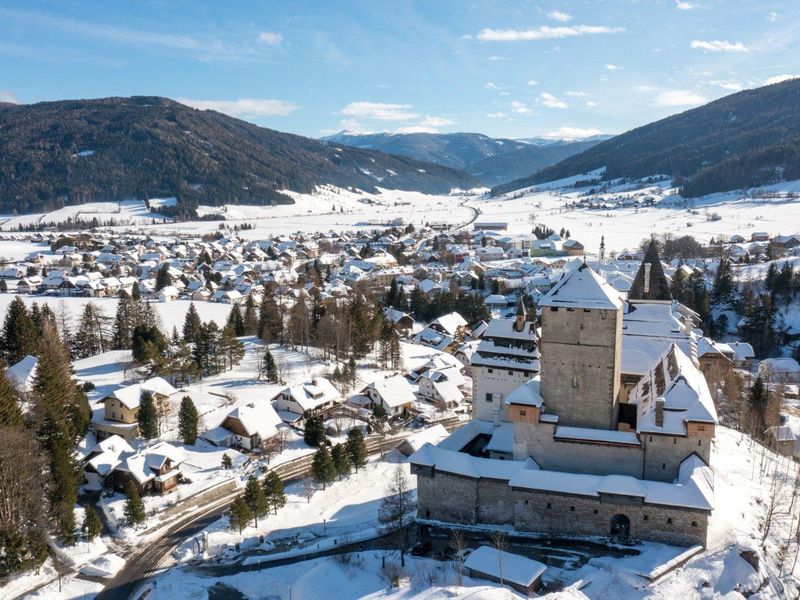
(514, 68)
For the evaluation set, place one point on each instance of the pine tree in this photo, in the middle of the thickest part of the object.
(356, 448)
(187, 421)
(89, 339)
(299, 326)
(19, 332)
(192, 325)
(256, 499)
(240, 514)
(3, 286)
(269, 369)
(91, 523)
(236, 321)
(134, 507)
(207, 349)
(147, 416)
(10, 412)
(163, 278)
(395, 352)
(270, 320)
(322, 467)
(250, 316)
(227, 463)
(124, 322)
(273, 488)
(230, 348)
(314, 433)
(341, 461)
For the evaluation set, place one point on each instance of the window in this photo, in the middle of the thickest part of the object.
(490, 370)
(586, 310)
(646, 518)
(694, 523)
(669, 521)
(549, 506)
(571, 509)
(596, 511)
(522, 413)
(674, 440)
(663, 466)
(511, 372)
(553, 309)
(699, 443)
(488, 397)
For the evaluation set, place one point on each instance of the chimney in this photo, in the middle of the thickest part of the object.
(659, 412)
(497, 401)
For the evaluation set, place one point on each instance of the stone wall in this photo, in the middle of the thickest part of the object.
(580, 365)
(663, 454)
(456, 499)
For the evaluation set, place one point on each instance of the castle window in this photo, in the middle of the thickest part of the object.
(526, 502)
(570, 310)
(694, 523)
(586, 310)
(553, 309)
(511, 372)
(549, 506)
(663, 466)
(674, 440)
(488, 397)
(646, 518)
(699, 442)
(669, 521)
(571, 509)
(603, 314)
(490, 370)
(523, 413)
(596, 511)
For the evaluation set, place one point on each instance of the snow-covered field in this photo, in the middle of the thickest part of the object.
(126, 212)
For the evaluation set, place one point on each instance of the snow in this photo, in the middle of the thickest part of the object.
(504, 565)
(582, 288)
(103, 566)
(125, 212)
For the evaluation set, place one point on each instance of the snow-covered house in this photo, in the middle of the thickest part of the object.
(22, 374)
(245, 426)
(779, 370)
(296, 400)
(517, 572)
(153, 469)
(395, 394)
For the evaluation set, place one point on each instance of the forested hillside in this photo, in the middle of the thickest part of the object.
(75, 151)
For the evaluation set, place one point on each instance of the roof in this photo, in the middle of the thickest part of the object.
(256, 419)
(314, 393)
(395, 391)
(582, 288)
(650, 282)
(499, 564)
(22, 374)
(528, 394)
(130, 395)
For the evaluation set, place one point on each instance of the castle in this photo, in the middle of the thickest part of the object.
(609, 435)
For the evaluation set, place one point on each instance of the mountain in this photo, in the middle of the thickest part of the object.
(748, 138)
(75, 151)
(492, 160)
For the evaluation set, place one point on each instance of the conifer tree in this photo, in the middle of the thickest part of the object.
(134, 507)
(124, 322)
(256, 499)
(187, 421)
(273, 488)
(341, 461)
(163, 277)
(192, 325)
(236, 321)
(19, 332)
(356, 448)
(89, 339)
(395, 352)
(240, 514)
(230, 348)
(10, 412)
(322, 467)
(147, 416)
(227, 463)
(314, 433)
(207, 349)
(91, 523)
(269, 369)
(250, 316)
(270, 320)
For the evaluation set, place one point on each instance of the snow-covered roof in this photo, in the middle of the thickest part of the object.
(528, 394)
(582, 288)
(130, 395)
(504, 566)
(395, 391)
(312, 394)
(22, 374)
(257, 419)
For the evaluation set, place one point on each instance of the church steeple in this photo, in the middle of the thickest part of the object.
(522, 316)
(650, 282)
(602, 249)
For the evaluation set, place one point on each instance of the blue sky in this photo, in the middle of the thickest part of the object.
(511, 68)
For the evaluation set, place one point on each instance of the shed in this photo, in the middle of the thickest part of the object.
(518, 572)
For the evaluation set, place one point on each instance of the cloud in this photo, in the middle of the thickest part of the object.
(379, 111)
(426, 125)
(645, 88)
(533, 82)
(557, 15)
(244, 107)
(684, 5)
(590, 103)
(8, 96)
(718, 46)
(571, 133)
(578, 94)
(521, 108)
(679, 98)
(550, 101)
(491, 85)
(270, 37)
(779, 78)
(773, 16)
(733, 86)
(496, 58)
(496, 115)
(544, 32)
(610, 67)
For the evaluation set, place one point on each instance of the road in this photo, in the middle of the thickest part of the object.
(145, 561)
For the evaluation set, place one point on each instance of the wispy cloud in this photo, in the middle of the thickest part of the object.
(571, 133)
(550, 101)
(8, 96)
(779, 78)
(733, 86)
(679, 98)
(591, 103)
(244, 107)
(718, 46)
(610, 67)
(532, 82)
(379, 111)
(490, 85)
(497, 58)
(557, 15)
(680, 5)
(426, 125)
(545, 32)
(578, 94)
(270, 37)
(773, 16)
(496, 115)
(521, 108)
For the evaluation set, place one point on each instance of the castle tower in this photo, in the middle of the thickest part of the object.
(581, 350)
(650, 282)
